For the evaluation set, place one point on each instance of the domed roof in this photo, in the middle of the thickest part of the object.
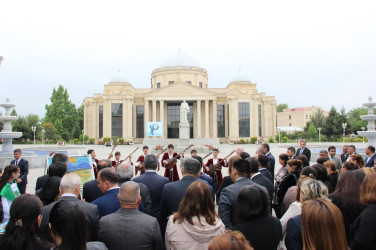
(241, 77)
(118, 77)
(179, 59)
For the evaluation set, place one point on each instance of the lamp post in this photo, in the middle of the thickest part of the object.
(83, 137)
(33, 128)
(279, 135)
(344, 125)
(363, 128)
(43, 131)
(319, 129)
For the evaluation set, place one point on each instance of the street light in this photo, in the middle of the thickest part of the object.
(279, 135)
(344, 125)
(33, 128)
(43, 131)
(83, 137)
(319, 129)
(363, 128)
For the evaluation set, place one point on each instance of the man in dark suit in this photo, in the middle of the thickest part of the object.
(260, 179)
(128, 228)
(332, 157)
(24, 169)
(345, 154)
(153, 182)
(108, 184)
(70, 186)
(271, 158)
(125, 171)
(229, 196)
(291, 153)
(263, 163)
(303, 150)
(371, 156)
(91, 190)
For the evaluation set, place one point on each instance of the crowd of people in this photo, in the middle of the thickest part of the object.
(325, 205)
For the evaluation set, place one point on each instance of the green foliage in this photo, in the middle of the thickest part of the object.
(106, 139)
(253, 140)
(76, 131)
(271, 139)
(61, 112)
(280, 107)
(242, 141)
(354, 123)
(66, 136)
(121, 141)
(284, 139)
(91, 140)
(76, 141)
(312, 130)
(333, 123)
(24, 124)
(50, 134)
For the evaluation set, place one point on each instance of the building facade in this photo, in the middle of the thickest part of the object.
(297, 117)
(237, 111)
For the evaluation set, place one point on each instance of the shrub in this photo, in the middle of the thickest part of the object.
(100, 142)
(106, 139)
(284, 139)
(121, 141)
(253, 140)
(75, 141)
(271, 139)
(91, 140)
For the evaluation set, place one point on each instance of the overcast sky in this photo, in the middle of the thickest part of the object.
(305, 53)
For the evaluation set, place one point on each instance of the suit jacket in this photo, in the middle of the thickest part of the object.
(207, 178)
(41, 181)
(265, 182)
(271, 162)
(155, 184)
(306, 152)
(293, 238)
(344, 157)
(130, 229)
(24, 170)
(90, 211)
(337, 162)
(91, 191)
(227, 181)
(267, 174)
(167, 172)
(108, 203)
(145, 196)
(228, 201)
(370, 161)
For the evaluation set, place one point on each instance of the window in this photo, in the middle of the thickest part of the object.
(117, 120)
(260, 120)
(100, 121)
(158, 85)
(221, 120)
(139, 121)
(244, 127)
(189, 82)
(171, 82)
(200, 84)
(289, 117)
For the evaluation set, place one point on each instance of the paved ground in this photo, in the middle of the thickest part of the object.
(102, 153)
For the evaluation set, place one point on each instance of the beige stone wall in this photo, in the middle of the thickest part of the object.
(297, 117)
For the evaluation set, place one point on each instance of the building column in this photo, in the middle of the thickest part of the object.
(129, 118)
(134, 120)
(215, 119)
(198, 118)
(234, 119)
(107, 118)
(161, 117)
(146, 116)
(207, 119)
(154, 111)
(226, 120)
(124, 123)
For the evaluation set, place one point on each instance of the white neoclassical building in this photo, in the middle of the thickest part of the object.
(237, 111)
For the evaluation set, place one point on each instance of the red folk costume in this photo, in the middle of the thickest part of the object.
(218, 172)
(167, 171)
(95, 163)
(116, 162)
(140, 159)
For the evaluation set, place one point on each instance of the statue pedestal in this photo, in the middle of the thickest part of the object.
(184, 130)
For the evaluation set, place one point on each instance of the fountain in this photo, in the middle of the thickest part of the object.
(371, 117)
(6, 134)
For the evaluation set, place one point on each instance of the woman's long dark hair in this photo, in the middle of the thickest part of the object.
(7, 174)
(68, 221)
(22, 227)
(252, 203)
(50, 190)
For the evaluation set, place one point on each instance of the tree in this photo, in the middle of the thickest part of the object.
(318, 119)
(332, 126)
(76, 132)
(354, 123)
(62, 112)
(80, 114)
(24, 124)
(281, 107)
(312, 130)
(50, 132)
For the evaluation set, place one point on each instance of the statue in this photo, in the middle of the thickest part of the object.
(184, 110)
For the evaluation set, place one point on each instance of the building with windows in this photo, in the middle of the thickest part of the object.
(297, 117)
(237, 111)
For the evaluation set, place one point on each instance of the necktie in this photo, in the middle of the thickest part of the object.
(16, 162)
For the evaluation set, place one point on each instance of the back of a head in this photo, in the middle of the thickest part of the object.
(68, 221)
(321, 160)
(321, 172)
(312, 189)
(348, 165)
(69, 183)
(129, 193)
(322, 226)
(243, 167)
(191, 166)
(60, 157)
(197, 200)
(199, 158)
(23, 223)
(50, 190)
(309, 172)
(231, 161)
(151, 162)
(368, 189)
(244, 155)
(230, 240)
(261, 151)
(125, 171)
(102, 164)
(254, 164)
(304, 160)
(263, 160)
(253, 202)
(330, 165)
(58, 168)
(109, 174)
(348, 189)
